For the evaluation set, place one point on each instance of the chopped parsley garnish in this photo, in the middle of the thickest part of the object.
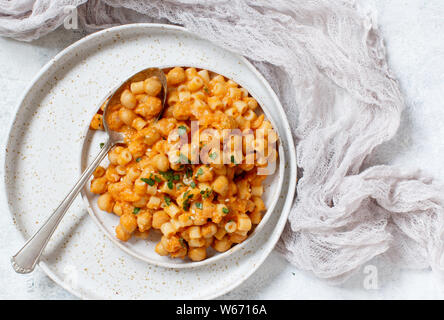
(186, 203)
(102, 145)
(138, 159)
(225, 210)
(199, 172)
(199, 205)
(213, 155)
(192, 184)
(206, 90)
(233, 160)
(149, 181)
(136, 210)
(183, 159)
(182, 130)
(168, 175)
(189, 172)
(167, 200)
(182, 242)
(206, 193)
(157, 179)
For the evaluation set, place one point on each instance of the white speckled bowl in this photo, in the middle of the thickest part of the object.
(47, 136)
(144, 249)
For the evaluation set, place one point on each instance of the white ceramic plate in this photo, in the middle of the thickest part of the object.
(46, 139)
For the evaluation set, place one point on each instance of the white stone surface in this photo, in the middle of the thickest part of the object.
(413, 32)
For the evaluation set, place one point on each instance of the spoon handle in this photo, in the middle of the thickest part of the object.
(27, 257)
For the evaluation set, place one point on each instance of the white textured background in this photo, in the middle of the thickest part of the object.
(414, 37)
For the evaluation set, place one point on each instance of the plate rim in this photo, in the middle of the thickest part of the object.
(277, 231)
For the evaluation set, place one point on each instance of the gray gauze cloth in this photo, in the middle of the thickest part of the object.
(326, 61)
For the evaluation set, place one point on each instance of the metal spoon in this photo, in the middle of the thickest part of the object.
(26, 258)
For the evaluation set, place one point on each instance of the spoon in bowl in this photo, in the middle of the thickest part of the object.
(25, 260)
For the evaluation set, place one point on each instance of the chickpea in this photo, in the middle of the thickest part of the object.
(99, 172)
(190, 73)
(137, 149)
(160, 161)
(128, 100)
(171, 244)
(197, 254)
(165, 126)
(151, 107)
(121, 234)
(222, 245)
(98, 185)
(176, 76)
(105, 202)
(118, 209)
(206, 174)
(111, 174)
(128, 222)
(220, 185)
(114, 121)
(151, 136)
(127, 116)
(181, 253)
(137, 87)
(161, 250)
(152, 86)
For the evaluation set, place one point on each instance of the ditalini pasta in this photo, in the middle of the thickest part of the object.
(156, 182)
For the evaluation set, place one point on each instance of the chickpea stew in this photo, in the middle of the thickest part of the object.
(196, 196)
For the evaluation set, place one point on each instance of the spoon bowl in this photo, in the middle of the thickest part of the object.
(117, 137)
